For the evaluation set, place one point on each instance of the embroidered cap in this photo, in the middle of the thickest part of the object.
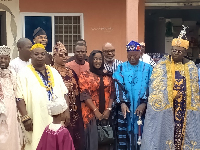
(39, 31)
(133, 46)
(56, 106)
(5, 50)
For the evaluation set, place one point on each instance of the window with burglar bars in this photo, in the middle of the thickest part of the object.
(67, 31)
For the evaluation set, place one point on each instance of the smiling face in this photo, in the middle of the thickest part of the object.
(60, 57)
(4, 61)
(133, 57)
(178, 53)
(97, 60)
(38, 57)
(108, 52)
(41, 39)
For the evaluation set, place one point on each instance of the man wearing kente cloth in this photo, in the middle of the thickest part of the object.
(36, 85)
(132, 77)
(173, 109)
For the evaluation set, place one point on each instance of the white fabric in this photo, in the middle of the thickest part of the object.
(17, 64)
(147, 59)
(54, 127)
(36, 99)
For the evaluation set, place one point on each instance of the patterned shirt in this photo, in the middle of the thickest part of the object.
(113, 67)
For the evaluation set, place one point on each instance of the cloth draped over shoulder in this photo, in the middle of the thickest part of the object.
(159, 125)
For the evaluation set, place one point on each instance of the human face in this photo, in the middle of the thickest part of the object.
(80, 52)
(38, 57)
(41, 39)
(25, 50)
(60, 57)
(109, 53)
(4, 61)
(133, 57)
(178, 53)
(142, 49)
(97, 60)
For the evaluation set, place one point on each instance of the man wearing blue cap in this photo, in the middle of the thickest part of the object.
(132, 77)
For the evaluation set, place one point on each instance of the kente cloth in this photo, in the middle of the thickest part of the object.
(9, 133)
(77, 67)
(113, 67)
(17, 64)
(132, 89)
(36, 97)
(89, 88)
(75, 127)
(59, 139)
(172, 122)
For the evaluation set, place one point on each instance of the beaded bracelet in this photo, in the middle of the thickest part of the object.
(25, 118)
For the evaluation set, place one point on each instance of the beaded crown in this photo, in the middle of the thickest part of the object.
(37, 46)
(180, 41)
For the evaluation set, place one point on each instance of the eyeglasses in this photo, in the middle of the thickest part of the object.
(177, 51)
(62, 54)
(109, 51)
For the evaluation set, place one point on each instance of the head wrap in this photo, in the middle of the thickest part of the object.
(38, 31)
(56, 106)
(5, 50)
(180, 41)
(59, 47)
(133, 46)
(37, 46)
(142, 44)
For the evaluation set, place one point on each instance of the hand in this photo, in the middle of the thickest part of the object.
(106, 114)
(67, 119)
(28, 125)
(124, 109)
(98, 115)
(140, 109)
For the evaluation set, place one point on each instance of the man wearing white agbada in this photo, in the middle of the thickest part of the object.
(36, 84)
(9, 133)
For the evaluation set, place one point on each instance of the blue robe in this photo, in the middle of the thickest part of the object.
(133, 80)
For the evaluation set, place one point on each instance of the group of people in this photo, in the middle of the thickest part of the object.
(53, 102)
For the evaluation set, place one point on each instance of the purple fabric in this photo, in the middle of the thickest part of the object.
(56, 140)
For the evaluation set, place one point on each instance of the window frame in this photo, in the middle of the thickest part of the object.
(52, 15)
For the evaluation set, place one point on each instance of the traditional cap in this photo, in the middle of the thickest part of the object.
(142, 44)
(38, 31)
(180, 41)
(37, 46)
(56, 106)
(133, 46)
(5, 50)
(58, 48)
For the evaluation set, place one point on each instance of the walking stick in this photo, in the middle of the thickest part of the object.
(139, 122)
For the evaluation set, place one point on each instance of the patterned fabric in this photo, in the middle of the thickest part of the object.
(113, 67)
(89, 86)
(147, 59)
(172, 124)
(132, 78)
(75, 127)
(133, 46)
(5, 50)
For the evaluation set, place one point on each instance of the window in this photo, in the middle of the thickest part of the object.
(64, 27)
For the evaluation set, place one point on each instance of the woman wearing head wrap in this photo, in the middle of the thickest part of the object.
(96, 89)
(71, 81)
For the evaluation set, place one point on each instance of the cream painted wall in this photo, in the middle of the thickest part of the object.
(13, 24)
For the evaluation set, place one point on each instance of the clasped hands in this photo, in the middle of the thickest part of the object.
(101, 116)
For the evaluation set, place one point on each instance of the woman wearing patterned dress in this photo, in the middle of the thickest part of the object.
(96, 89)
(70, 79)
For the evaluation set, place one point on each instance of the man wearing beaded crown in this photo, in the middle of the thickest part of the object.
(173, 109)
(9, 133)
(132, 77)
(36, 85)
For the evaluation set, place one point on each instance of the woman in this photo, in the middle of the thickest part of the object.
(96, 89)
(70, 79)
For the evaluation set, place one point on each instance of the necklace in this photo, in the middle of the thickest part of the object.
(50, 83)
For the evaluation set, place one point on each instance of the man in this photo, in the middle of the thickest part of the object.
(9, 133)
(40, 36)
(110, 63)
(132, 77)
(36, 85)
(173, 117)
(79, 64)
(24, 46)
(145, 57)
(73, 57)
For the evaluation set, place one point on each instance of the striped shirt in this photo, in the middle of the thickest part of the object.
(113, 67)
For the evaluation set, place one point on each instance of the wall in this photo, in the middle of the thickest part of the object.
(12, 23)
(104, 20)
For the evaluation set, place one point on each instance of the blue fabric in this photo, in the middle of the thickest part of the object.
(135, 79)
(199, 77)
(133, 46)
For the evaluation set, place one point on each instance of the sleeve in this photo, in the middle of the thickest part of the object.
(20, 92)
(43, 137)
(84, 87)
(68, 142)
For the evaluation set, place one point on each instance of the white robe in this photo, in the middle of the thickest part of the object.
(36, 98)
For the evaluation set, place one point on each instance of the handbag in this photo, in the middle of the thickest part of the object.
(105, 132)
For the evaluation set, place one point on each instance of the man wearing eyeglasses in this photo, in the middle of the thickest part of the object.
(110, 63)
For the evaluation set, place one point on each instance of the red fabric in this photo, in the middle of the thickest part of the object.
(56, 140)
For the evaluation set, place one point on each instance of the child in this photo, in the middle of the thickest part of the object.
(56, 136)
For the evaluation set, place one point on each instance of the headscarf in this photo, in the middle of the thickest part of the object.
(5, 50)
(39, 31)
(59, 47)
(100, 73)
